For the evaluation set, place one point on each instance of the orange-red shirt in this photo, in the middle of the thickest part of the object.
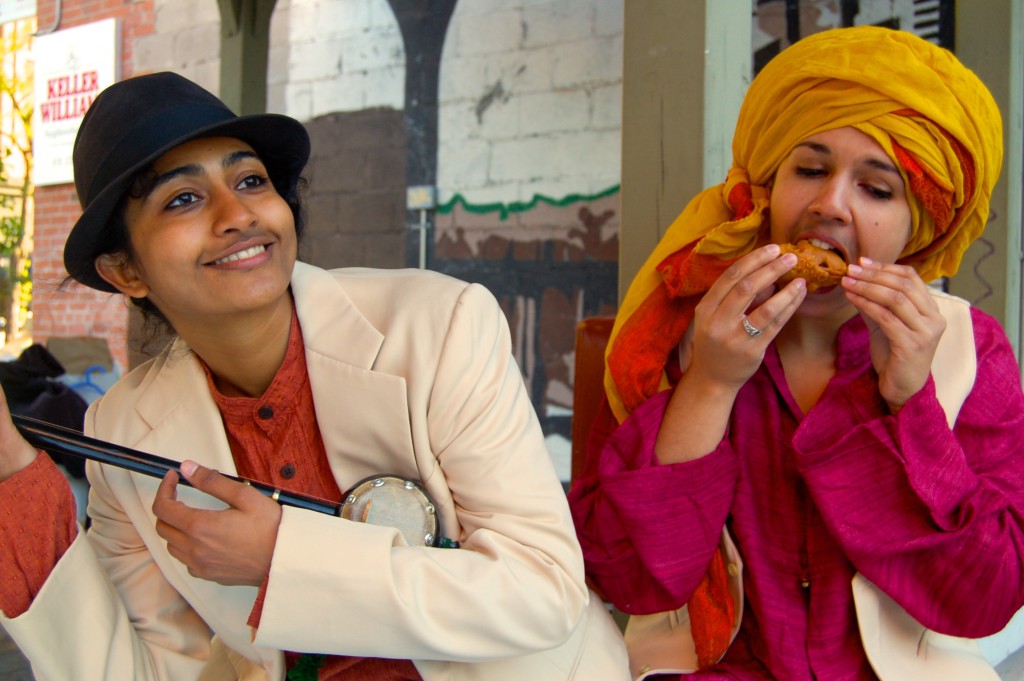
(275, 440)
(38, 526)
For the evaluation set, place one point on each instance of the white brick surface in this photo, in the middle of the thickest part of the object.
(344, 93)
(174, 15)
(302, 20)
(492, 193)
(349, 52)
(552, 124)
(500, 120)
(534, 69)
(466, 163)
(608, 17)
(521, 160)
(197, 44)
(154, 52)
(316, 61)
(592, 154)
(343, 17)
(557, 22)
(384, 51)
(557, 111)
(280, 23)
(277, 66)
(461, 78)
(298, 101)
(606, 108)
(484, 34)
(556, 127)
(593, 61)
(386, 87)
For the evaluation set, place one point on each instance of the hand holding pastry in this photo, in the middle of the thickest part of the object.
(905, 325)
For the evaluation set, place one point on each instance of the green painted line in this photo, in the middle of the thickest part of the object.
(507, 209)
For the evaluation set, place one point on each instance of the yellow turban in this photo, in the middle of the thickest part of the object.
(931, 115)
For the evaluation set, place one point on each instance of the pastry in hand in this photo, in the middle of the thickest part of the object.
(819, 267)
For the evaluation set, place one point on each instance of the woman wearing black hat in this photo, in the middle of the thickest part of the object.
(304, 380)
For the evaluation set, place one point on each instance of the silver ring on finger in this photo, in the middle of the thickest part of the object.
(751, 330)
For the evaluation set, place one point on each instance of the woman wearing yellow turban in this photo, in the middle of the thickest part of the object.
(795, 475)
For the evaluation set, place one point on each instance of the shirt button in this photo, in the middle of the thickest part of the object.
(805, 582)
(265, 413)
(733, 569)
(288, 471)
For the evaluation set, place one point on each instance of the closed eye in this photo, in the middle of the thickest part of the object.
(810, 172)
(878, 192)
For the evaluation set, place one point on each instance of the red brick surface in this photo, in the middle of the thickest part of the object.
(58, 307)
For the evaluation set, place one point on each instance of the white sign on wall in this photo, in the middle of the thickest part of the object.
(12, 10)
(71, 67)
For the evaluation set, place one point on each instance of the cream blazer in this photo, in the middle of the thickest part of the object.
(411, 374)
(898, 647)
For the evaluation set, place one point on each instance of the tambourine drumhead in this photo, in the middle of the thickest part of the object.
(394, 502)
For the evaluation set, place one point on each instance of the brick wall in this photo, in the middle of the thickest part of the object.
(334, 55)
(61, 308)
(73, 310)
(530, 100)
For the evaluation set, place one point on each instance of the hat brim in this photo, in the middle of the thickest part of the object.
(281, 142)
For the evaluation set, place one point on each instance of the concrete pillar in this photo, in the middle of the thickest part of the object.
(686, 67)
(990, 41)
(245, 41)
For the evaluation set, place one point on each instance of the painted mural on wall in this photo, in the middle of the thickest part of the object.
(510, 113)
(550, 265)
(528, 170)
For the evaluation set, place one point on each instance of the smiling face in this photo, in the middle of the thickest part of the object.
(210, 236)
(840, 190)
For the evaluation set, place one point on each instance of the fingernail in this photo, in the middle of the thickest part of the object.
(854, 269)
(789, 258)
(773, 249)
(866, 261)
(188, 468)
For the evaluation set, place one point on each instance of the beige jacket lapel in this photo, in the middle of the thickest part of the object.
(362, 413)
(178, 419)
(178, 415)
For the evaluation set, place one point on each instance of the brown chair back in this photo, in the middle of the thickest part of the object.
(592, 335)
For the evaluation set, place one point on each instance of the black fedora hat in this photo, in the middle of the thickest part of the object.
(135, 121)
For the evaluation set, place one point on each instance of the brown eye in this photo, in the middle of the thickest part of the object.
(252, 181)
(182, 199)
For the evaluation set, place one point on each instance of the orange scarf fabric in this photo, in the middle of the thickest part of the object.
(931, 115)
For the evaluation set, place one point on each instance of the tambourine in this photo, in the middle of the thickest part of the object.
(393, 501)
(385, 500)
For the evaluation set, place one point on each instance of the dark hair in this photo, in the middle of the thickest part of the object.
(116, 240)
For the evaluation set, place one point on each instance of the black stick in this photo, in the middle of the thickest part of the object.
(60, 440)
